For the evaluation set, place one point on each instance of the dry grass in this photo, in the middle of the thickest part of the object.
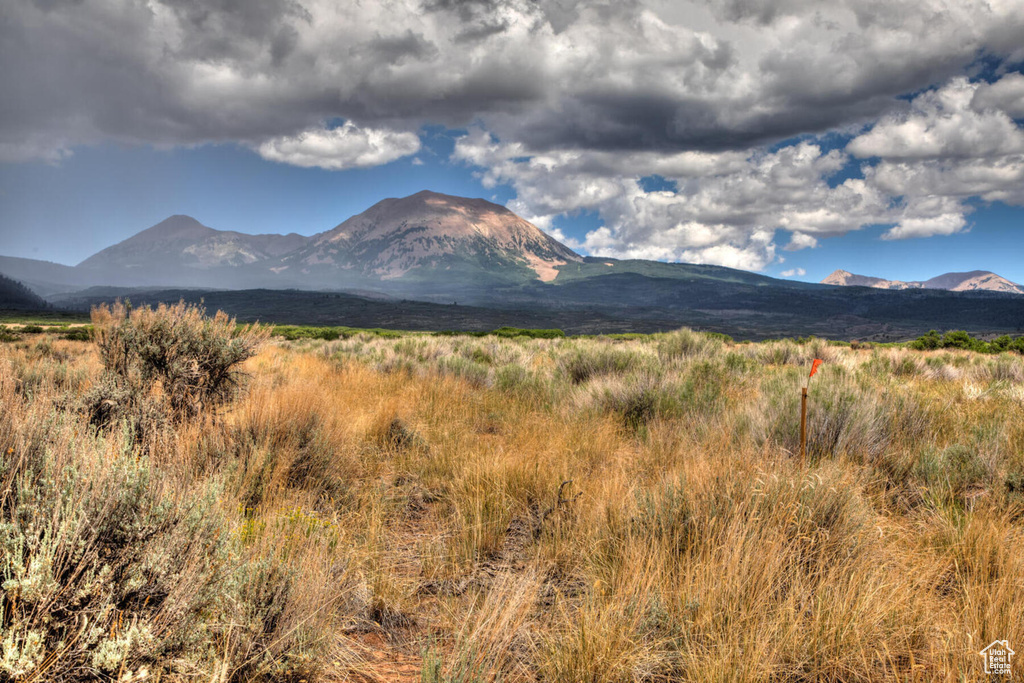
(369, 502)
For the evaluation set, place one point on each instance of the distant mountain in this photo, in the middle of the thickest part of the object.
(428, 236)
(182, 242)
(15, 296)
(973, 281)
(848, 279)
(45, 277)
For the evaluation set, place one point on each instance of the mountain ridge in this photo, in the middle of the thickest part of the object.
(968, 281)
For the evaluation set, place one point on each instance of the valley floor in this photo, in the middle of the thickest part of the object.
(481, 509)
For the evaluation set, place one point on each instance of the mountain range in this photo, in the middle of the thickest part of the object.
(971, 281)
(427, 240)
(440, 249)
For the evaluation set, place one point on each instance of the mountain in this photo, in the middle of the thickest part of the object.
(972, 281)
(183, 243)
(429, 235)
(848, 279)
(45, 277)
(15, 296)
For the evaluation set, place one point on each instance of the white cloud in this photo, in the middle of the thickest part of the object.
(346, 146)
(944, 224)
(794, 272)
(1006, 95)
(799, 240)
(942, 124)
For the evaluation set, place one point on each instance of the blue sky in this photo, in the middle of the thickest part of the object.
(787, 138)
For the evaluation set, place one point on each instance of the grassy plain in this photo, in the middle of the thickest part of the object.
(456, 508)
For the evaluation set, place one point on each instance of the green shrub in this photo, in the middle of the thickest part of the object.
(959, 339)
(294, 333)
(193, 360)
(637, 401)
(512, 332)
(77, 334)
(952, 471)
(585, 364)
(32, 329)
(472, 372)
(684, 343)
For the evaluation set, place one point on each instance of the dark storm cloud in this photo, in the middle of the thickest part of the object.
(396, 49)
(569, 102)
(602, 75)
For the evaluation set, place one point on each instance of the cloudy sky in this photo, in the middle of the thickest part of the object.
(790, 137)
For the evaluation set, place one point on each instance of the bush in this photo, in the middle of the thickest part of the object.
(954, 470)
(31, 329)
(512, 332)
(685, 342)
(585, 364)
(191, 358)
(293, 332)
(637, 400)
(77, 334)
(959, 339)
(471, 371)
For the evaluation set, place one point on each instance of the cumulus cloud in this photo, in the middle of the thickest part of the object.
(726, 210)
(944, 224)
(569, 103)
(800, 240)
(346, 146)
(943, 124)
(794, 272)
(952, 144)
(1006, 95)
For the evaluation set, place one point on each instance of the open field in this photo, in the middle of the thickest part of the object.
(456, 508)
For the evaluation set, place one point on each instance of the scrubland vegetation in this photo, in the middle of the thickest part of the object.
(458, 508)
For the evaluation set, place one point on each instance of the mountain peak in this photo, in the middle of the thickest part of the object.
(181, 241)
(433, 230)
(176, 226)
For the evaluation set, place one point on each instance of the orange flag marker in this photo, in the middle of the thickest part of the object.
(803, 411)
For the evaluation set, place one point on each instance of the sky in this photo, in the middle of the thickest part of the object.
(787, 137)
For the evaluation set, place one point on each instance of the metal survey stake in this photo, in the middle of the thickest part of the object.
(803, 411)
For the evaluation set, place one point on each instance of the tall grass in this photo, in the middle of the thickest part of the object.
(446, 508)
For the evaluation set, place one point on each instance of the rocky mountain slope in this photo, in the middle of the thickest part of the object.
(972, 281)
(412, 237)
